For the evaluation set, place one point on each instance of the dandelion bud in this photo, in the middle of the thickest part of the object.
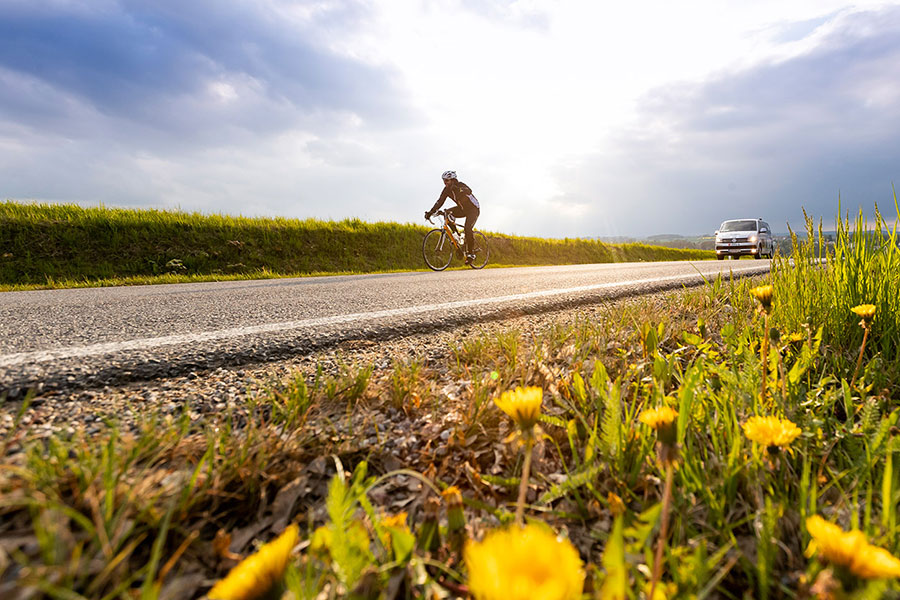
(429, 538)
(456, 519)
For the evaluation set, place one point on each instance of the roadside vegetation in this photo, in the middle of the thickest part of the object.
(733, 441)
(51, 246)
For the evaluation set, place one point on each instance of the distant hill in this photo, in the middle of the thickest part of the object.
(662, 237)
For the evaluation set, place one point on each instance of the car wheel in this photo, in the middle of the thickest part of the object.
(720, 256)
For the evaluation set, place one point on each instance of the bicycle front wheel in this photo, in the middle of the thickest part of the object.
(481, 250)
(437, 250)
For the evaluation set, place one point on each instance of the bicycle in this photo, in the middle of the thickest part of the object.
(441, 244)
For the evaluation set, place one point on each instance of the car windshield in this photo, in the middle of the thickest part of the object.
(738, 226)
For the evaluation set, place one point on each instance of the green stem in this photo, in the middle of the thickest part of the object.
(765, 360)
(861, 349)
(523, 484)
(663, 528)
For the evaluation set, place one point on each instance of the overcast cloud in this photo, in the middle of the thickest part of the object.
(566, 119)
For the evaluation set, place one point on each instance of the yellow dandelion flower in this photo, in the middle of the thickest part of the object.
(320, 541)
(771, 432)
(764, 293)
(616, 505)
(864, 311)
(523, 405)
(393, 522)
(876, 563)
(850, 550)
(398, 520)
(658, 418)
(524, 563)
(662, 420)
(794, 339)
(259, 573)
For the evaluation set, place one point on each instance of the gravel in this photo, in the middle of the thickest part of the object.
(212, 391)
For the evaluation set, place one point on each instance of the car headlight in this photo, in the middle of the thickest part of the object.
(751, 239)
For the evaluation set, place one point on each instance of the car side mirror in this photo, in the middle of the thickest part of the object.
(716, 232)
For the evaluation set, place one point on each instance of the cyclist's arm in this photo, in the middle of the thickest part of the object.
(445, 193)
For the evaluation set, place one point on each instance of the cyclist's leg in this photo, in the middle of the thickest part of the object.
(458, 213)
(471, 216)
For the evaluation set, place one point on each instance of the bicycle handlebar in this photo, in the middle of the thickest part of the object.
(441, 213)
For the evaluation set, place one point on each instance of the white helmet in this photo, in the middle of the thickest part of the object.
(448, 175)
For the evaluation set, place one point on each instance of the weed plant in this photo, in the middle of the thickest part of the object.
(635, 397)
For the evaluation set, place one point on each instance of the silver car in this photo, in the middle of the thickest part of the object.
(737, 237)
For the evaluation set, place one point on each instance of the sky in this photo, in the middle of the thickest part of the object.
(567, 118)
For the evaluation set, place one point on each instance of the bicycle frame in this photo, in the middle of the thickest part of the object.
(450, 232)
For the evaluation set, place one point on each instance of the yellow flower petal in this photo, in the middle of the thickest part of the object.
(398, 520)
(528, 563)
(763, 294)
(658, 417)
(864, 311)
(257, 574)
(875, 563)
(523, 405)
(851, 550)
(771, 431)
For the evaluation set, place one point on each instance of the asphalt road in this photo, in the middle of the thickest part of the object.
(92, 337)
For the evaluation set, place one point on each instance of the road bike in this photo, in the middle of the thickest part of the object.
(441, 244)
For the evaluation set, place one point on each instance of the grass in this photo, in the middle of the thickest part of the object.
(160, 510)
(50, 246)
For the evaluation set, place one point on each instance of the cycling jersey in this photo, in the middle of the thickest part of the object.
(459, 193)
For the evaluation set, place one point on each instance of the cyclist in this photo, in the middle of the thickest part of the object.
(466, 206)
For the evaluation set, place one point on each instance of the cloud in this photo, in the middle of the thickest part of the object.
(529, 14)
(340, 108)
(763, 141)
(187, 68)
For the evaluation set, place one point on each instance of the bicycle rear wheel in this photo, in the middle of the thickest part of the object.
(437, 250)
(481, 250)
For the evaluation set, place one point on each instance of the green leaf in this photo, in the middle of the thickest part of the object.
(691, 338)
(402, 543)
(615, 584)
(579, 389)
(611, 424)
(573, 482)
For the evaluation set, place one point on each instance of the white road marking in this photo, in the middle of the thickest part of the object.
(20, 358)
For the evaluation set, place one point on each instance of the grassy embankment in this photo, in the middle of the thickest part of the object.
(159, 511)
(64, 246)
